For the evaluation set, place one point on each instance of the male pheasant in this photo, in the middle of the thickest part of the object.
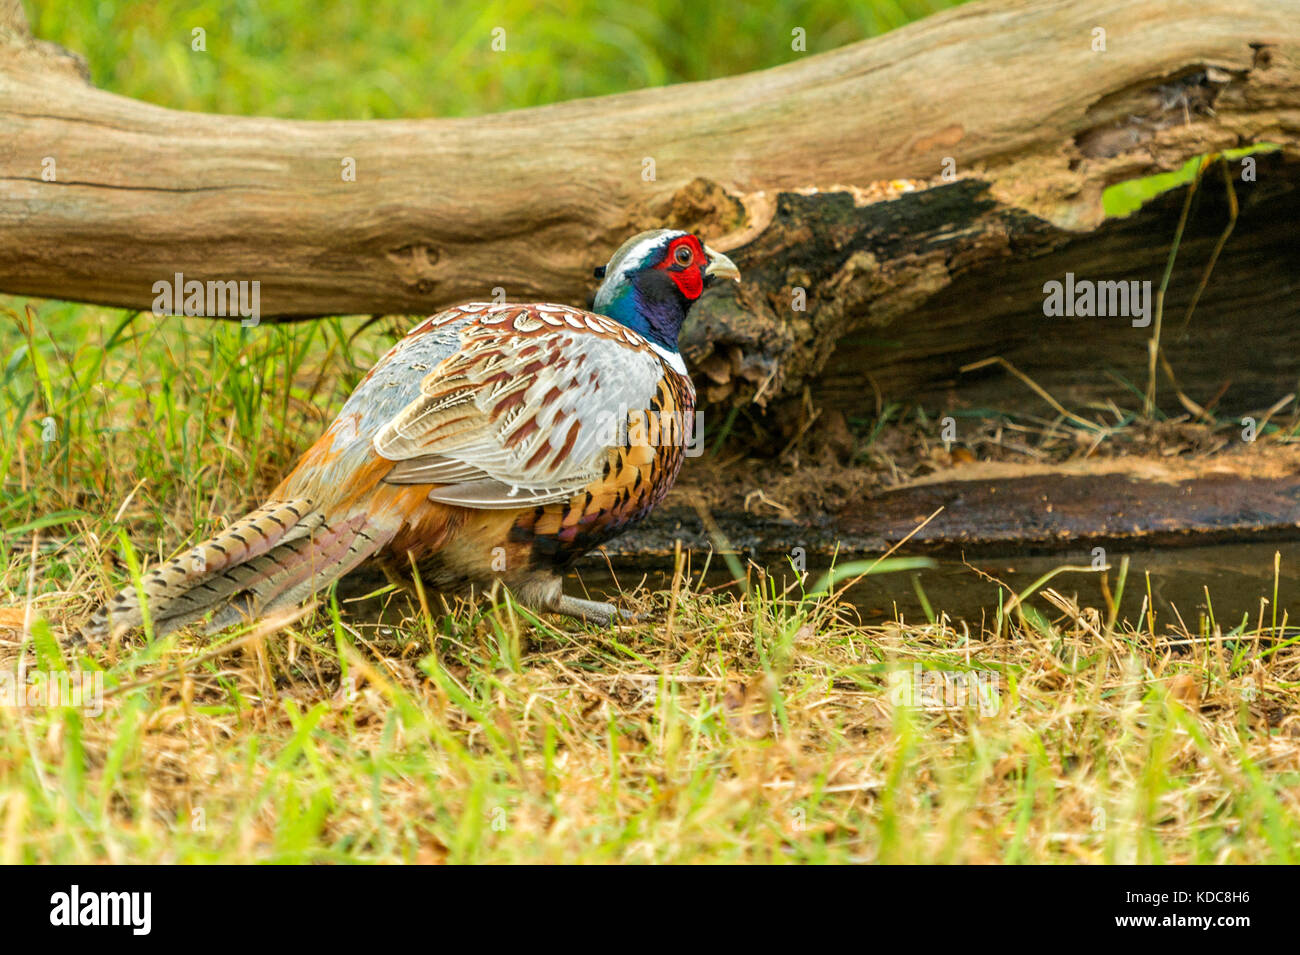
(493, 442)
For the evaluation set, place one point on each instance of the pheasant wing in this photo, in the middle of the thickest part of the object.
(525, 411)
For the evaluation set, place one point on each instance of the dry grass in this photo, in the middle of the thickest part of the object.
(759, 729)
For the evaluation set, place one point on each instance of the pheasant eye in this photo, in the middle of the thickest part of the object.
(682, 255)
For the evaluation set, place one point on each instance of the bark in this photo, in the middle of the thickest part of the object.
(1043, 513)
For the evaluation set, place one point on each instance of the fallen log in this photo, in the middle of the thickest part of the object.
(1046, 514)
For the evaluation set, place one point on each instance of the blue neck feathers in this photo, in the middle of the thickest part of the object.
(658, 319)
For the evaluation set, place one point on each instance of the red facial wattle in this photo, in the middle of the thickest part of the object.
(688, 278)
(690, 281)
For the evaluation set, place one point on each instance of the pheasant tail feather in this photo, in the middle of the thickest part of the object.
(283, 550)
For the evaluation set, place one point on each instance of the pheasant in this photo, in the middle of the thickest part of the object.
(493, 442)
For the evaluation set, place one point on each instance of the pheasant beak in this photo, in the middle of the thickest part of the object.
(720, 267)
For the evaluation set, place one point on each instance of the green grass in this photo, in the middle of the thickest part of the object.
(393, 59)
(173, 424)
(1125, 198)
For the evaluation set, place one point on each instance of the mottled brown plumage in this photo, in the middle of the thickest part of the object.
(495, 442)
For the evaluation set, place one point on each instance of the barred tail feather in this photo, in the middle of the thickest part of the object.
(281, 547)
(301, 571)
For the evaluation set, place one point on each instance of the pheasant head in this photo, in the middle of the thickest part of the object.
(654, 278)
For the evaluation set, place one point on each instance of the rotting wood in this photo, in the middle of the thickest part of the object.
(1045, 513)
